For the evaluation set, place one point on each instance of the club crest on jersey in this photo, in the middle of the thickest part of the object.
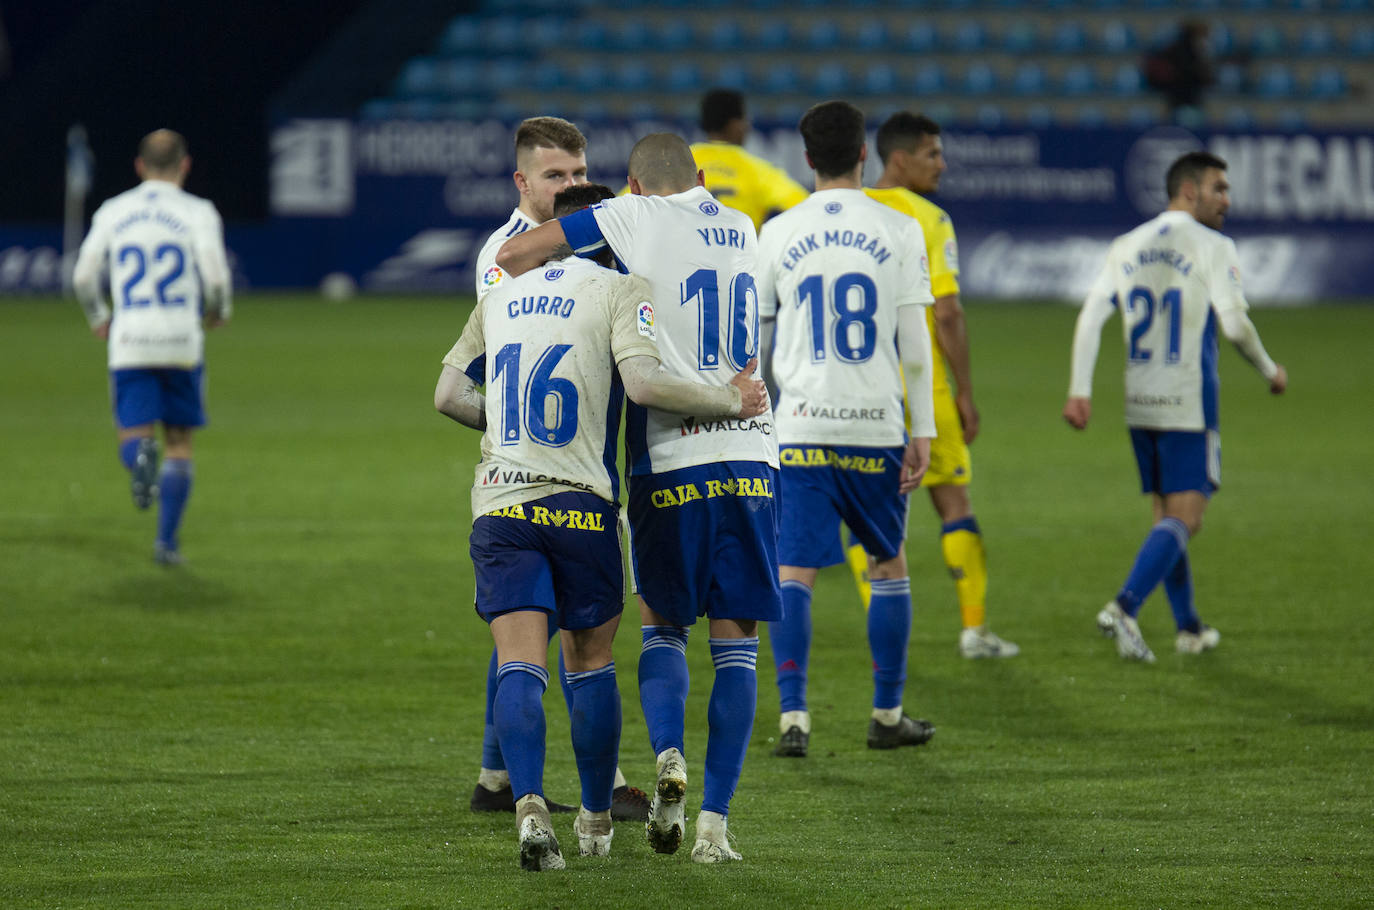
(492, 277)
(553, 274)
(646, 320)
(833, 208)
(709, 208)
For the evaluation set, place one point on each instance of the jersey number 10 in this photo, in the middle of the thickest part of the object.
(742, 330)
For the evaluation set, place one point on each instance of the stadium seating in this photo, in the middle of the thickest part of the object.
(988, 62)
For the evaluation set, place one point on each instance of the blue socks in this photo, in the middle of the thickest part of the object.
(889, 630)
(791, 641)
(128, 452)
(730, 714)
(595, 705)
(174, 488)
(519, 716)
(491, 745)
(1178, 585)
(1166, 542)
(663, 684)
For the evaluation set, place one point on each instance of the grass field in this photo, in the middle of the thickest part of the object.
(294, 717)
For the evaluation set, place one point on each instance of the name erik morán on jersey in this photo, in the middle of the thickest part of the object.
(804, 409)
(496, 476)
(855, 239)
(691, 426)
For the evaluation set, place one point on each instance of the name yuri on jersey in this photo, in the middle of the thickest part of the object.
(855, 239)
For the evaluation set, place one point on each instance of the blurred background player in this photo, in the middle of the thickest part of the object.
(738, 178)
(163, 250)
(846, 280)
(1173, 279)
(550, 155)
(542, 546)
(913, 160)
(702, 492)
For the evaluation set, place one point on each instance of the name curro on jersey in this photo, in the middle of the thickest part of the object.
(544, 304)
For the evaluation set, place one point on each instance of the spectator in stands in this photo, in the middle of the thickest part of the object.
(741, 180)
(1182, 69)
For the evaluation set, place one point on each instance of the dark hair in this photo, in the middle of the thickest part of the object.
(833, 132)
(162, 151)
(904, 130)
(579, 196)
(718, 107)
(1190, 167)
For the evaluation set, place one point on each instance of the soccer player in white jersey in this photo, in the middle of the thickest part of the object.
(553, 346)
(550, 155)
(846, 281)
(1173, 279)
(163, 250)
(702, 492)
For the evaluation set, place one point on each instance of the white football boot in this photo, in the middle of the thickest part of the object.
(538, 846)
(979, 642)
(667, 815)
(713, 840)
(1190, 643)
(1114, 622)
(594, 832)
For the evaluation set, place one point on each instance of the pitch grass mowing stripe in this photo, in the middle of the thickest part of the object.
(294, 718)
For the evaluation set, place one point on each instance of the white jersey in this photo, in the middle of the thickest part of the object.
(547, 343)
(163, 250)
(1168, 278)
(835, 270)
(489, 274)
(699, 257)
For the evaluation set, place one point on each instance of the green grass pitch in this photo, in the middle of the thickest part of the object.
(294, 717)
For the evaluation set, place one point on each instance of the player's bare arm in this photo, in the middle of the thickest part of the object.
(951, 331)
(533, 248)
(915, 462)
(456, 397)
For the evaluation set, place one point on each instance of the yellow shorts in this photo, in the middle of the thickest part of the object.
(950, 462)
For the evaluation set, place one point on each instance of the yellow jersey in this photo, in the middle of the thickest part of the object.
(942, 251)
(746, 182)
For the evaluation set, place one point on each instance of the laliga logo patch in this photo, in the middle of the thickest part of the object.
(553, 274)
(492, 277)
(1235, 274)
(707, 208)
(833, 208)
(952, 254)
(646, 320)
(925, 265)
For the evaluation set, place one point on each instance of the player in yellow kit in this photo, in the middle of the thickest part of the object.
(737, 178)
(913, 160)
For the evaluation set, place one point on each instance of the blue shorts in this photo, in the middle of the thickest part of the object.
(559, 554)
(824, 485)
(1176, 461)
(705, 542)
(150, 394)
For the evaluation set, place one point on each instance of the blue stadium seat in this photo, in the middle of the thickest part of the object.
(546, 32)
(463, 33)
(871, 35)
(1029, 79)
(503, 34)
(1327, 83)
(671, 35)
(548, 75)
(970, 37)
(1117, 37)
(504, 74)
(1020, 38)
(684, 76)
(1039, 116)
(1079, 79)
(1221, 39)
(989, 116)
(1142, 116)
(880, 79)
(629, 35)
(1091, 116)
(773, 35)
(419, 78)
(1316, 40)
(1069, 38)
(722, 35)
(930, 79)
(919, 38)
(1361, 42)
(1292, 119)
(590, 35)
(979, 79)
(1267, 41)
(1230, 78)
(1127, 81)
(1276, 81)
(631, 75)
(459, 77)
(821, 35)
(782, 79)
(830, 79)
(733, 74)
